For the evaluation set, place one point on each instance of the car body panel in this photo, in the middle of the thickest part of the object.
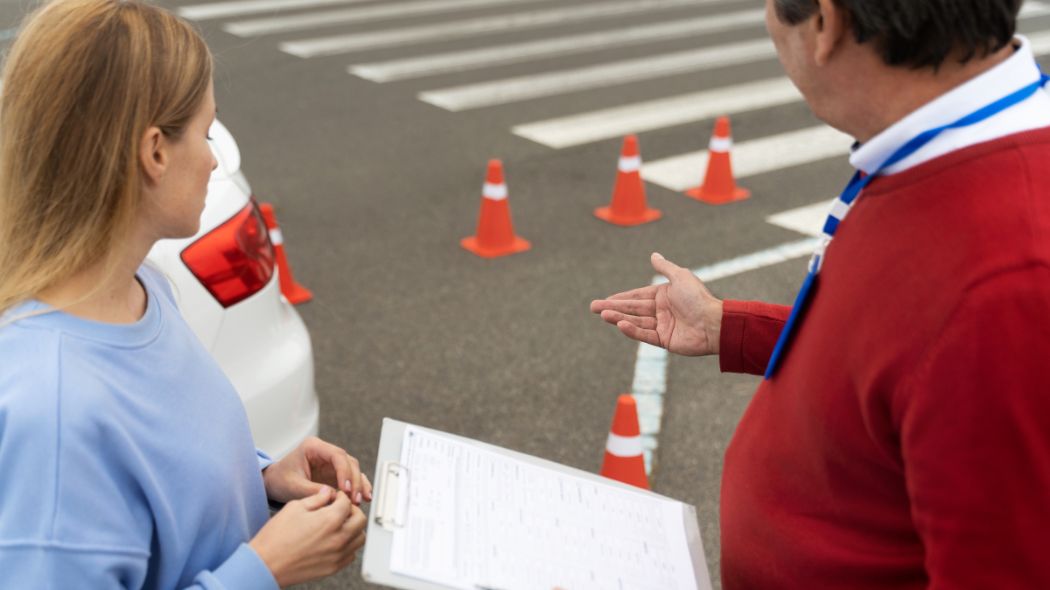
(261, 343)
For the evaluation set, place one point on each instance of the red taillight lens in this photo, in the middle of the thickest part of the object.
(234, 260)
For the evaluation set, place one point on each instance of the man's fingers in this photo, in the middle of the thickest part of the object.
(643, 307)
(644, 293)
(648, 292)
(615, 317)
(664, 266)
(642, 335)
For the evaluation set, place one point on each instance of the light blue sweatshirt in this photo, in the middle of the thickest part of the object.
(125, 456)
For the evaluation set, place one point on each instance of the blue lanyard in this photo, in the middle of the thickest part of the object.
(853, 190)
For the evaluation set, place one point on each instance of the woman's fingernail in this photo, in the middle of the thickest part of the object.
(346, 484)
(325, 491)
(358, 497)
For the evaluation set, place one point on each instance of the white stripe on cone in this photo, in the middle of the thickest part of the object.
(721, 144)
(624, 446)
(630, 164)
(276, 237)
(496, 192)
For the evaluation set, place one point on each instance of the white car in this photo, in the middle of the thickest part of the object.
(226, 282)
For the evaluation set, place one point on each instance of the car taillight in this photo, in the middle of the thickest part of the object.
(234, 260)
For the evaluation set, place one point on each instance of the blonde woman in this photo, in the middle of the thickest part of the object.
(125, 455)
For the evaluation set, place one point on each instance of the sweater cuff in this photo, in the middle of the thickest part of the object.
(731, 337)
(750, 330)
(245, 569)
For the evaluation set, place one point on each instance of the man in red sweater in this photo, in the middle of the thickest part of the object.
(903, 438)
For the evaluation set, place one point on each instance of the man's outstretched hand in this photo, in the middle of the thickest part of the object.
(681, 315)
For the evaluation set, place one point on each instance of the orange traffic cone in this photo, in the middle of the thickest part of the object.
(719, 186)
(495, 234)
(623, 451)
(628, 205)
(292, 291)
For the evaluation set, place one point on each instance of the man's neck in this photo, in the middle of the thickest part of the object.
(891, 94)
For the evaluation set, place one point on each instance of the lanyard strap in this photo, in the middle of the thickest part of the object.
(860, 181)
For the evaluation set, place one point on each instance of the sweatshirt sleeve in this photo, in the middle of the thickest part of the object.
(975, 438)
(749, 332)
(265, 460)
(51, 564)
(242, 570)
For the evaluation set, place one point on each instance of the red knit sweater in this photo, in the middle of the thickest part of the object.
(905, 440)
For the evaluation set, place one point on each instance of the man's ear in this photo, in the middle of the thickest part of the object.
(153, 155)
(831, 25)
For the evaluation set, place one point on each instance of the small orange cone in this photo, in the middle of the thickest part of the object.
(719, 186)
(628, 205)
(292, 291)
(624, 460)
(495, 234)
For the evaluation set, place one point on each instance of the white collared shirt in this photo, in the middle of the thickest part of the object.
(1018, 71)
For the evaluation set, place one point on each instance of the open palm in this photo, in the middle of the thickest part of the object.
(680, 315)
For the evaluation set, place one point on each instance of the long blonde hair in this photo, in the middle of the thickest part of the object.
(82, 83)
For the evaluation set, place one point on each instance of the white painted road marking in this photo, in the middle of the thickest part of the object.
(808, 220)
(284, 24)
(593, 126)
(753, 157)
(243, 7)
(1033, 9)
(457, 61)
(485, 94)
(1040, 43)
(444, 31)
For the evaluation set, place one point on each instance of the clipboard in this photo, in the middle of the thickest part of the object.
(388, 511)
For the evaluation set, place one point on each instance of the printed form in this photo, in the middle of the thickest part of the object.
(475, 519)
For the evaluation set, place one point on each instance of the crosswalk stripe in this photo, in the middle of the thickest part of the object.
(1031, 8)
(472, 96)
(1040, 43)
(497, 92)
(242, 7)
(807, 220)
(573, 130)
(618, 121)
(401, 69)
(758, 156)
(284, 24)
(480, 26)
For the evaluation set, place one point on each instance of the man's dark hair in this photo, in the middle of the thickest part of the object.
(921, 33)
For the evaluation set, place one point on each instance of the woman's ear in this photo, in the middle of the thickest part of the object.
(831, 27)
(153, 155)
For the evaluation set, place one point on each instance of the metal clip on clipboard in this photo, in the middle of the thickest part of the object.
(392, 508)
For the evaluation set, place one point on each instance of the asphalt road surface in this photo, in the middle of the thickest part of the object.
(376, 174)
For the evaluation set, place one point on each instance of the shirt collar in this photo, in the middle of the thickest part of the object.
(1017, 71)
